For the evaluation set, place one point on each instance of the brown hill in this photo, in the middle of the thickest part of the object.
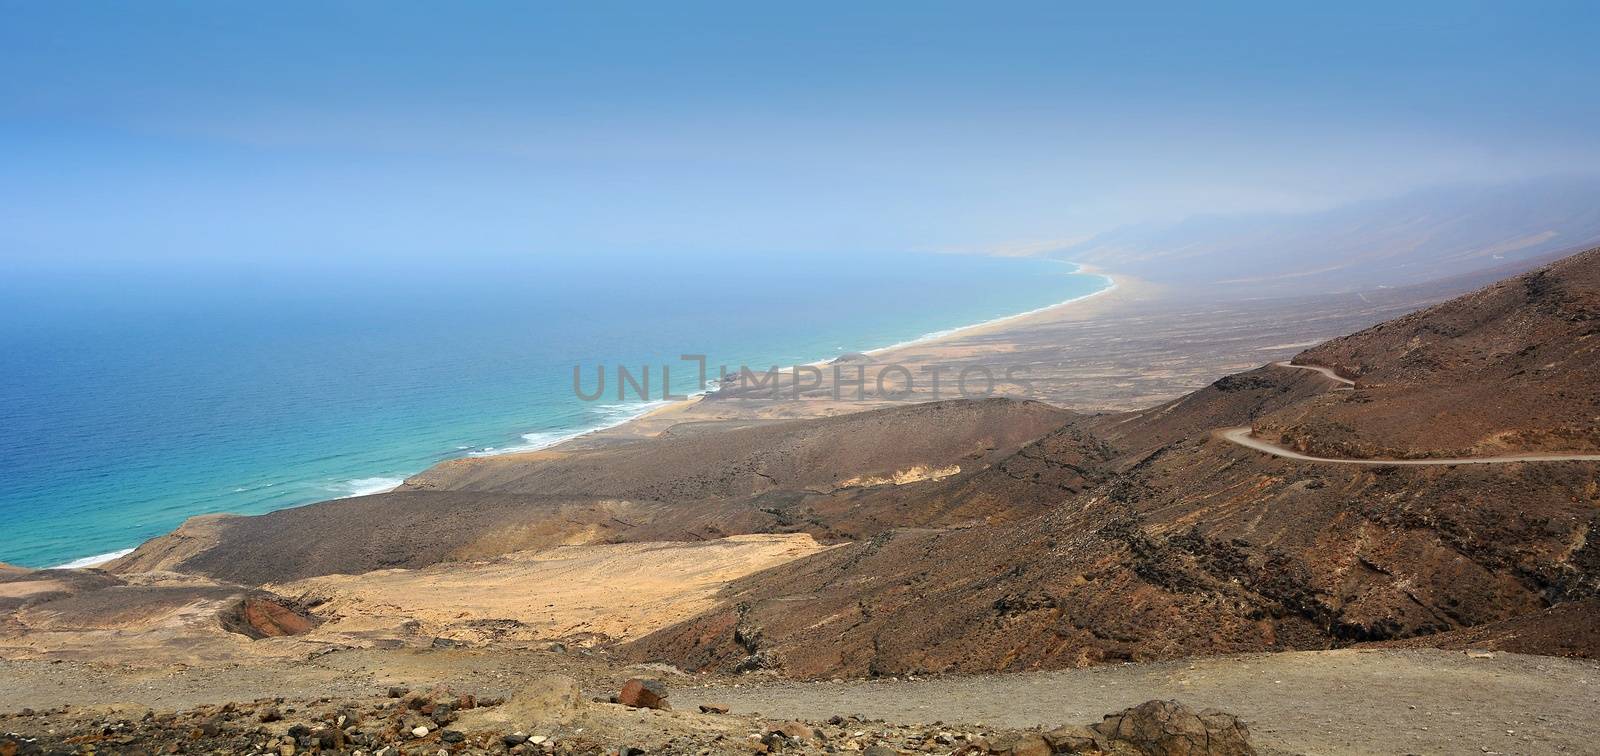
(822, 454)
(1511, 367)
(1177, 542)
(1569, 629)
(838, 477)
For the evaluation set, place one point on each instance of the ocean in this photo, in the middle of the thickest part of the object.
(131, 400)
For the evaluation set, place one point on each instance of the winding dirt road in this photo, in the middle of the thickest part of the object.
(1241, 436)
(1327, 372)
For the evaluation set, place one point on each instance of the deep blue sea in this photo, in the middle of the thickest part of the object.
(131, 400)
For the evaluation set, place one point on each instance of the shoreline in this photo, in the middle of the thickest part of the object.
(93, 561)
(658, 408)
(1113, 283)
(1117, 287)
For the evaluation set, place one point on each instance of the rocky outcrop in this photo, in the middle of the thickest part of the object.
(1168, 728)
(263, 615)
(644, 693)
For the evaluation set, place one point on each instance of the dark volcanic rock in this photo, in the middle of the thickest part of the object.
(1168, 728)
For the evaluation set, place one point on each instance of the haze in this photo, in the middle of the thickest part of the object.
(153, 134)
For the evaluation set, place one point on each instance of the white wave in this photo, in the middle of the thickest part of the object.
(246, 489)
(617, 414)
(92, 561)
(611, 416)
(368, 486)
(532, 442)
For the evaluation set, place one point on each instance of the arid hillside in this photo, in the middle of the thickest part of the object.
(1185, 543)
(1513, 367)
(837, 478)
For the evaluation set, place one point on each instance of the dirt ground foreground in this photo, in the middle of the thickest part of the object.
(1348, 701)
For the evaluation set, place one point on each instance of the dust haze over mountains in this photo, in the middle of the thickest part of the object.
(757, 544)
(1408, 239)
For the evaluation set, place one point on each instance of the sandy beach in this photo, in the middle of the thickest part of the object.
(1134, 344)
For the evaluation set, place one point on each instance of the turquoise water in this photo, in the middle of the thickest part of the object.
(130, 401)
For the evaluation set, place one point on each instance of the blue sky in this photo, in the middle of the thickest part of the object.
(151, 134)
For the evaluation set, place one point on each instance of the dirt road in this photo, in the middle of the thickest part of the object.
(1242, 437)
(1318, 702)
(1327, 372)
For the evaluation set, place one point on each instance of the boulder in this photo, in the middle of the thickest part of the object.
(792, 729)
(1074, 739)
(1168, 728)
(1021, 744)
(546, 700)
(644, 693)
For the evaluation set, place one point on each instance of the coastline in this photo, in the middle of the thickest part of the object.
(925, 349)
(652, 417)
(94, 561)
(1111, 286)
(645, 422)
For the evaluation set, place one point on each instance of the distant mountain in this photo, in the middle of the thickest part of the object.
(1411, 239)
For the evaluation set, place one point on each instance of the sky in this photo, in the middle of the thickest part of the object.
(172, 134)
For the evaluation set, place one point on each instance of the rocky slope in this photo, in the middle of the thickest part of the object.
(1511, 367)
(1177, 543)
